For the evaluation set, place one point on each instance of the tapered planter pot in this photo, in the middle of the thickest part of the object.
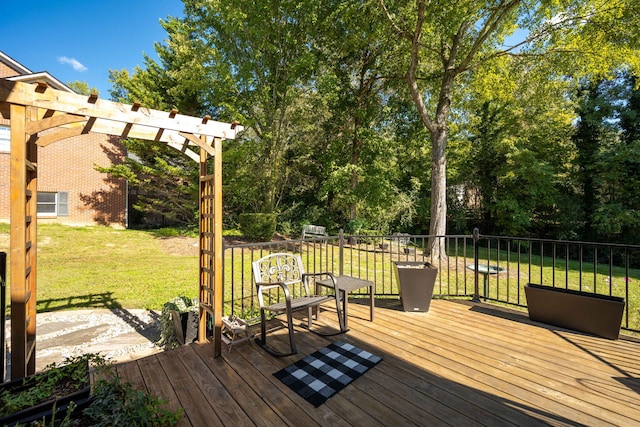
(415, 284)
(594, 314)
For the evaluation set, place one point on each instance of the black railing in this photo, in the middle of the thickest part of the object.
(600, 268)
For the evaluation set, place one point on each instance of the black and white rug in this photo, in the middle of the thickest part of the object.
(322, 374)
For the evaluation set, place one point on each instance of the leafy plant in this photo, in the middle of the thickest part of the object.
(113, 402)
(258, 226)
(116, 403)
(56, 380)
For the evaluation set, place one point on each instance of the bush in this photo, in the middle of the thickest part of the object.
(257, 226)
(116, 403)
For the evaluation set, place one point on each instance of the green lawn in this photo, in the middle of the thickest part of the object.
(82, 267)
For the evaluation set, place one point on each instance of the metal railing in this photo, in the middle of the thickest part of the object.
(600, 268)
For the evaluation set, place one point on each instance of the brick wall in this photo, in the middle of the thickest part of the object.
(68, 166)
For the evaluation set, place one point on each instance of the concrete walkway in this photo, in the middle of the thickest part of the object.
(119, 335)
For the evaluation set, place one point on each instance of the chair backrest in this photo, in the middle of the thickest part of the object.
(278, 268)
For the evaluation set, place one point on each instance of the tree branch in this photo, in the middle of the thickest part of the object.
(396, 28)
(492, 22)
(413, 67)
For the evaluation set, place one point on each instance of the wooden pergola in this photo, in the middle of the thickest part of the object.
(40, 116)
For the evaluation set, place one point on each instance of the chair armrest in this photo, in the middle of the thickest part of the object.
(269, 285)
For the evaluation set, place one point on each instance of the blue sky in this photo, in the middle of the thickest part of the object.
(83, 39)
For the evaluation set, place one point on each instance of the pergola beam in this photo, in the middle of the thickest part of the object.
(49, 99)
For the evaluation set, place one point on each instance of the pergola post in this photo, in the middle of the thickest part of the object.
(211, 251)
(23, 242)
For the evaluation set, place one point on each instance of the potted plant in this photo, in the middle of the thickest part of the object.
(63, 395)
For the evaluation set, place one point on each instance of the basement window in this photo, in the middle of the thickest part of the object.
(53, 204)
(5, 139)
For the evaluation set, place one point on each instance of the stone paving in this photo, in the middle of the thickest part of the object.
(119, 335)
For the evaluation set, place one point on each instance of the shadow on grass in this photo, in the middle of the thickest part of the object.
(102, 300)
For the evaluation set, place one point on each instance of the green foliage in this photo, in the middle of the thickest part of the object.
(65, 378)
(258, 226)
(351, 109)
(117, 404)
(356, 226)
(82, 88)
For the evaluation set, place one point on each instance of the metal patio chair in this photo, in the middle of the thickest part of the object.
(283, 287)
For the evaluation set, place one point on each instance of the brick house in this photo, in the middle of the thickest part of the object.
(70, 190)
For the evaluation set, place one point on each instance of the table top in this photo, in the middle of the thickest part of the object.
(486, 269)
(346, 283)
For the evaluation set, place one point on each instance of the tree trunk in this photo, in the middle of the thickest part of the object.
(438, 222)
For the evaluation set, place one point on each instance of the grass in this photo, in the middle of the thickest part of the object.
(88, 267)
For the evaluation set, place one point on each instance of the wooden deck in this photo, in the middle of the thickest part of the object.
(460, 364)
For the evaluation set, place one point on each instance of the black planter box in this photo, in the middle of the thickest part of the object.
(55, 407)
(415, 284)
(594, 314)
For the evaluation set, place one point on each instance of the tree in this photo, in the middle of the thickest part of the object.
(359, 157)
(444, 41)
(256, 59)
(166, 184)
(82, 88)
(615, 173)
(593, 130)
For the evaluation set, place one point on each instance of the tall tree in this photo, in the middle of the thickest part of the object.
(443, 41)
(616, 172)
(166, 184)
(359, 157)
(592, 132)
(256, 56)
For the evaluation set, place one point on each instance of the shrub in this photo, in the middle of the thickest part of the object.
(258, 226)
(116, 403)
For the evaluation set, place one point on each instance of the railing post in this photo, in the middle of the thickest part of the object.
(476, 292)
(341, 253)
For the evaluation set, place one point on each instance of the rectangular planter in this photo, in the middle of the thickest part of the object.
(415, 284)
(594, 314)
(48, 408)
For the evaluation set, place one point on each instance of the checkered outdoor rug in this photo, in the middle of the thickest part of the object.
(322, 374)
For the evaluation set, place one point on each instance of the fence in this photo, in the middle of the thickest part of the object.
(608, 269)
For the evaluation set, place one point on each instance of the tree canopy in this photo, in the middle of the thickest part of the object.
(392, 116)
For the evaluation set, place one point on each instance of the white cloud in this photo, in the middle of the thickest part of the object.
(77, 65)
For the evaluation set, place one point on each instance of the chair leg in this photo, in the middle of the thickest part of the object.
(262, 341)
(340, 314)
(263, 328)
(291, 338)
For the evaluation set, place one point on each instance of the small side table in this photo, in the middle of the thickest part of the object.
(347, 284)
(232, 329)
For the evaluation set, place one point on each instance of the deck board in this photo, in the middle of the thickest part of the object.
(461, 363)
